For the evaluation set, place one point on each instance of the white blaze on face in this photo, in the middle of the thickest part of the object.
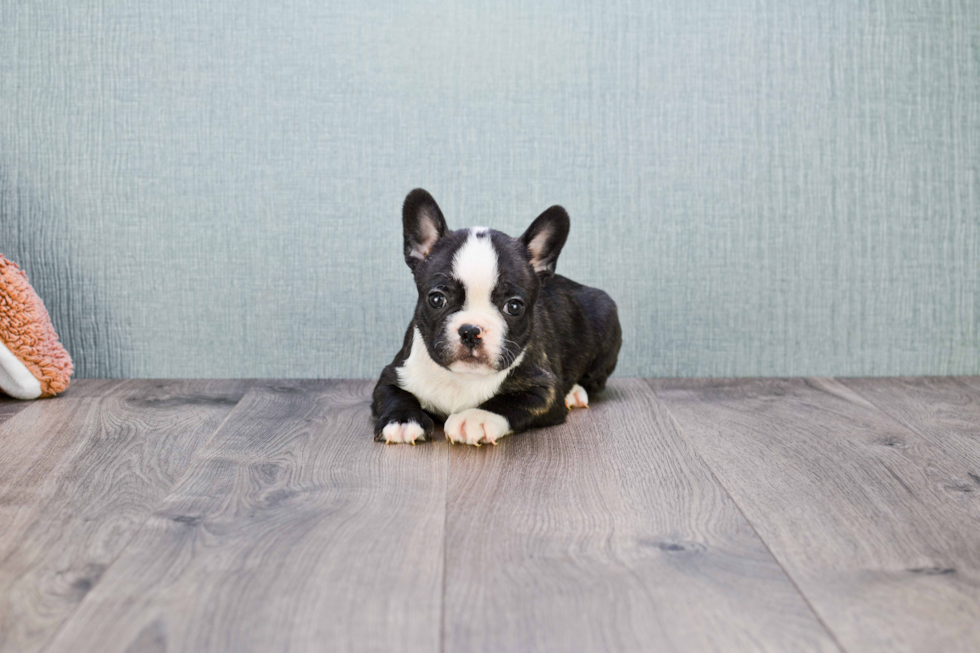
(475, 266)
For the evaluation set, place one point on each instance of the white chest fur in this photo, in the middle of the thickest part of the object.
(441, 391)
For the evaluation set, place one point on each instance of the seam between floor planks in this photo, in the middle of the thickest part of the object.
(752, 524)
(734, 554)
(442, 625)
(54, 514)
(921, 390)
(54, 634)
(445, 554)
(161, 591)
(610, 515)
(727, 413)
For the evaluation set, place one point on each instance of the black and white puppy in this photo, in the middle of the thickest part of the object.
(499, 342)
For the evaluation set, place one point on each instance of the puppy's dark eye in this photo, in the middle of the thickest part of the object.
(514, 307)
(437, 300)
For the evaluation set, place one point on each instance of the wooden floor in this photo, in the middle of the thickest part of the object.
(674, 515)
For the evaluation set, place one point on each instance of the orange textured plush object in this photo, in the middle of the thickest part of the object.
(32, 361)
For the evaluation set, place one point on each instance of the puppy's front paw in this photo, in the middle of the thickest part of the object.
(408, 426)
(476, 426)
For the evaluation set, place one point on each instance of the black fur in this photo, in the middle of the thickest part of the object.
(569, 333)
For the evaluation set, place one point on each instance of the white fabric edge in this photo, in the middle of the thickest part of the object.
(15, 379)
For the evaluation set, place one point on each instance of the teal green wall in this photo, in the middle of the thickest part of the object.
(766, 188)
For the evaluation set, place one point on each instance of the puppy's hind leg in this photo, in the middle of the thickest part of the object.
(577, 397)
(594, 379)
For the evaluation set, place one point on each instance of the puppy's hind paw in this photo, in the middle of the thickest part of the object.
(404, 427)
(577, 397)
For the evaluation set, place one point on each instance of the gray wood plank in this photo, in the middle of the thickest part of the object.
(972, 381)
(35, 436)
(78, 388)
(854, 505)
(292, 530)
(33, 441)
(608, 533)
(78, 476)
(10, 407)
(82, 388)
(945, 411)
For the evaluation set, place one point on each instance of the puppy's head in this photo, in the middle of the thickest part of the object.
(477, 287)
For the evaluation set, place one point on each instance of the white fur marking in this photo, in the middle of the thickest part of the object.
(577, 397)
(15, 379)
(441, 391)
(475, 426)
(396, 432)
(475, 266)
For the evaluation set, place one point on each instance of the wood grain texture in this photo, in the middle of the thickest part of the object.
(609, 534)
(292, 530)
(972, 381)
(179, 515)
(78, 476)
(78, 388)
(34, 442)
(83, 388)
(943, 411)
(855, 506)
(10, 407)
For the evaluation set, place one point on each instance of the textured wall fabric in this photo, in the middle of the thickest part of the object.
(767, 188)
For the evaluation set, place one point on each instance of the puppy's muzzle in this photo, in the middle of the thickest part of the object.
(470, 335)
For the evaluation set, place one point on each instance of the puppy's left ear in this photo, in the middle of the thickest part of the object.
(545, 238)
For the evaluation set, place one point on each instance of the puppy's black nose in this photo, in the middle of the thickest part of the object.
(470, 335)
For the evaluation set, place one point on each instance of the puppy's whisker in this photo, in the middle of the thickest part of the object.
(510, 353)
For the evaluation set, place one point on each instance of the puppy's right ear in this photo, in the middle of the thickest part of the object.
(423, 225)
(544, 240)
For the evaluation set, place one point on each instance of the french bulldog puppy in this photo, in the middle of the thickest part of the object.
(499, 343)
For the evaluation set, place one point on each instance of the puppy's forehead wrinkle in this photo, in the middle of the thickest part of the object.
(440, 280)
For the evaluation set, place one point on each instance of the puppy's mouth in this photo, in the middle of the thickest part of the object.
(471, 361)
